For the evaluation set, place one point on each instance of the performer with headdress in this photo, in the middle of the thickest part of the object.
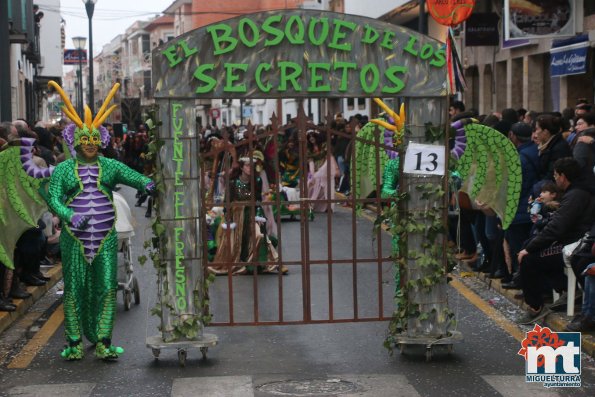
(80, 194)
(246, 241)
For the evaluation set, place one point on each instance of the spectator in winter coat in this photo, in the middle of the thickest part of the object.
(551, 146)
(583, 122)
(541, 259)
(518, 232)
(584, 154)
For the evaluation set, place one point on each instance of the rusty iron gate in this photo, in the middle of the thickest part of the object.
(314, 290)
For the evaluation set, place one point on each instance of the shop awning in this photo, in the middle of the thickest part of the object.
(569, 56)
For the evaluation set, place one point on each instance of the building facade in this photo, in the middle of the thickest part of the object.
(51, 48)
(518, 74)
(108, 71)
(30, 52)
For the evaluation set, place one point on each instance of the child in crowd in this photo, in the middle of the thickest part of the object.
(544, 206)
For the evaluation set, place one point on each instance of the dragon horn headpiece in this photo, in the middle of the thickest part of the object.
(101, 115)
(90, 131)
(398, 119)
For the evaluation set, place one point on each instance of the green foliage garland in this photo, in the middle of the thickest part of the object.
(429, 225)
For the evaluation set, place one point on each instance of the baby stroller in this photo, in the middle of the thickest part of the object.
(127, 282)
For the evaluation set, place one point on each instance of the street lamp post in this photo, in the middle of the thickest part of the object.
(79, 43)
(79, 89)
(90, 7)
(77, 93)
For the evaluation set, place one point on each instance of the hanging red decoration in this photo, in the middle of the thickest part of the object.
(450, 12)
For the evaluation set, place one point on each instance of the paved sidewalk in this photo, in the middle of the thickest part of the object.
(8, 318)
(556, 320)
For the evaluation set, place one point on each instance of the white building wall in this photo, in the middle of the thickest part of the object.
(371, 10)
(18, 71)
(315, 5)
(50, 40)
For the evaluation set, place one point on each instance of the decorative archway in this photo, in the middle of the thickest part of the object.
(296, 54)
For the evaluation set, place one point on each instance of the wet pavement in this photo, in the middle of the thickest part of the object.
(341, 359)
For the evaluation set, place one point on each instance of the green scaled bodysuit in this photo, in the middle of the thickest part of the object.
(367, 154)
(80, 194)
(89, 254)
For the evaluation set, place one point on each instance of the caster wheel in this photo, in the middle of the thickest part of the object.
(428, 354)
(136, 291)
(156, 353)
(204, 351)
(182, 357)
(127, 300)
(401, 348)
(450, 348)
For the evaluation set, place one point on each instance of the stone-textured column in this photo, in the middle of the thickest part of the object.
(181, 277)
(421, 111)
(487, 94)
(565, 100)
(502, 84)
(535, 88)
(516, 83)
(509, 83)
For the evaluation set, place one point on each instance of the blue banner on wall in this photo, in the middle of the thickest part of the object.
(570, 59)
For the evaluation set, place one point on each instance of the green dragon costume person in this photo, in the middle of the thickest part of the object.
(80, 194)
(485, 159)
(23, 188)
(365, 154)
(490, 167)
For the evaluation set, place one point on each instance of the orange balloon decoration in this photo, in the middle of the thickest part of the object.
(450, 12)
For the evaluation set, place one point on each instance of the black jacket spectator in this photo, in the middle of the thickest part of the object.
(556, 149)
(45, 145)
(570, 222)
(584, 154)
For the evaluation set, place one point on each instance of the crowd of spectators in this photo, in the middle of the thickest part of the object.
(556, 208)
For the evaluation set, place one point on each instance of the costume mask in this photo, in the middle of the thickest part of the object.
(89, 132)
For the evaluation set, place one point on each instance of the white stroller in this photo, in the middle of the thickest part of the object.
(127, 282)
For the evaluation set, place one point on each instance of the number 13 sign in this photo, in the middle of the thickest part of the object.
(424, 159)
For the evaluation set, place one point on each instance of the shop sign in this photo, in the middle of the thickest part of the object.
(569, 60)
(481, 29)
(526, 19)
(73, 57)
(215, 113)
